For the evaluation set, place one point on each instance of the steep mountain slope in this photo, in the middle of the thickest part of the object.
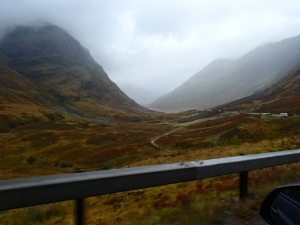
(188, 95)
(284, 96)
(226, 80)
(19, 96)
(55, 62)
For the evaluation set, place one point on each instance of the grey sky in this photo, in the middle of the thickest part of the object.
(159, 44)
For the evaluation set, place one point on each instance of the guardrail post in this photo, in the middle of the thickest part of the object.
(79, 210)
(243, 185)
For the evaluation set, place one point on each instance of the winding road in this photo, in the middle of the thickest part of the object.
(153, 141)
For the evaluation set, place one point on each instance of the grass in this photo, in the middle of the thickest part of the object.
(55, 213)
(86, 145)
(54, 147)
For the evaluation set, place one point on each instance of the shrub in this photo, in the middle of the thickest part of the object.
(56, 164)
(4, 129)
(135, 119)
(13, 123)
(50, 116)
(111, 163)
(66, 165)
(35, 119)
(31, 160)
(54, 115)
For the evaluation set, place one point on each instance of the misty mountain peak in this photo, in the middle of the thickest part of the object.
(56, 62)
(26, 45)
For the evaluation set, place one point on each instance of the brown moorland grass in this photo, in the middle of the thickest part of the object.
(64, 146)
(79, 144)
(290, 105)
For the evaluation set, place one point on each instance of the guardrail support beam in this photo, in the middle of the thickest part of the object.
(243, 185)
(79, 212)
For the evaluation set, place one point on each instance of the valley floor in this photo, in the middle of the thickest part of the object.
(54, 147)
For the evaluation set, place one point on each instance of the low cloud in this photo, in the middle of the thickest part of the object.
(157, 45)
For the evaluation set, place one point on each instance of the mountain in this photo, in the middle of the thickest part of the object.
(226, 80)
(19, 96)
(53, 61)
(283, 96)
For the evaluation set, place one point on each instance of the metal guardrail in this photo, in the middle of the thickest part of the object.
(48, 189)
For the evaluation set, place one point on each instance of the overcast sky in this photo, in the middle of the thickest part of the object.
(158, 44)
